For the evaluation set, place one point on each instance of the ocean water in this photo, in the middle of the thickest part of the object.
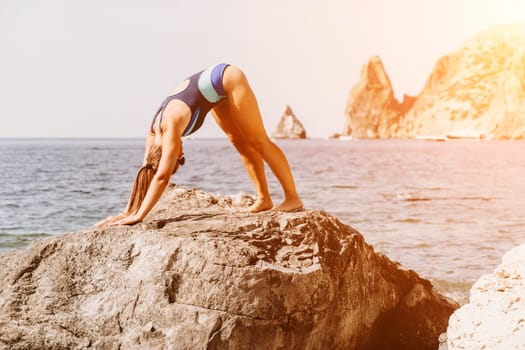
(448, 210)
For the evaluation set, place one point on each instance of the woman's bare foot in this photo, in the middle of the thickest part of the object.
(108, 220)
(288, 205)
(260, 205)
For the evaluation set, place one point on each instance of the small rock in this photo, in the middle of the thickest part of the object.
(289, 126)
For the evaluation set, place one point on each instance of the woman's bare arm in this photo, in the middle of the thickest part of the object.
(171, 149)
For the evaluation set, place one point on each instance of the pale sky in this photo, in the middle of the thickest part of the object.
(101, 68)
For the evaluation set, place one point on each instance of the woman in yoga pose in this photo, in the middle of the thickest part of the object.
(225, 91)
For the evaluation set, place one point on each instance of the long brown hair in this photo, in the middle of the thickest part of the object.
(143, 179)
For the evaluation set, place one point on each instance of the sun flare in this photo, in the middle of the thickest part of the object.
(506, 11)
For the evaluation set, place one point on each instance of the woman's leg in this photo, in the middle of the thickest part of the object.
(242, 109)
(252, 161)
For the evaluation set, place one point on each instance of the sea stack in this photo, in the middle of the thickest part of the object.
(200, 273)
(372, 110)
(478, 89)
(289, 126)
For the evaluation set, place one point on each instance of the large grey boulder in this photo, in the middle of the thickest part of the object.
(201, 274)
(494, 318)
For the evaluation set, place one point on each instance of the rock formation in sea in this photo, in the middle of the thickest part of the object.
(372, 110)
(289, 126)
(494, 318)
(201, 274)
(480, 88)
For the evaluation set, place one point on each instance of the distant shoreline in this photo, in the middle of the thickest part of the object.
(321, 138)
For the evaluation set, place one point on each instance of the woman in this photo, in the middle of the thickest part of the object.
(225, 91)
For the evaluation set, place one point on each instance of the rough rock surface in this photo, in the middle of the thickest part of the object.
(201, 274)
(494, 318)
(289, 126)
(480, 88)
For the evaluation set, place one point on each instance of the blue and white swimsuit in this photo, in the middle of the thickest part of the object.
(203, 92)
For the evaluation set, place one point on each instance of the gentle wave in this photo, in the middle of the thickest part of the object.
(465, 198)
(457, 290)
(407, 197)
(19, 241)
(408, 221)
(345, 187)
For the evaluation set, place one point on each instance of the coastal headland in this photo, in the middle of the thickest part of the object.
(479, 90)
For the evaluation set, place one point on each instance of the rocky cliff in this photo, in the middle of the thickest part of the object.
(372, 110)
(289, 126)
(481, 88)
(201, 274)
(494, 318)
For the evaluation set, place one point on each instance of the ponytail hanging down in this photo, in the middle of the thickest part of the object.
(143, 179)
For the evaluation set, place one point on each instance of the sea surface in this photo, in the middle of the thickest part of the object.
(448, 210)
